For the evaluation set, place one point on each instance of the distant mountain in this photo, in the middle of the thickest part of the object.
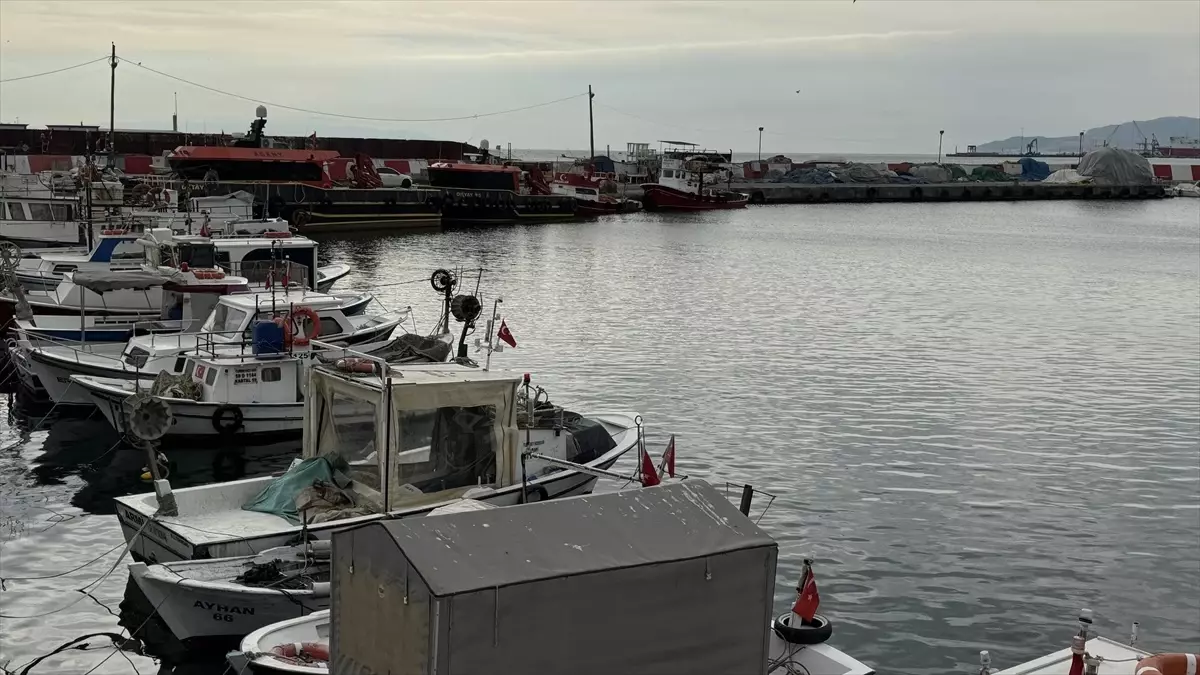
(1125, 135)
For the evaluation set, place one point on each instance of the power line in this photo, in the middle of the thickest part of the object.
(52, 72)
(350, 117)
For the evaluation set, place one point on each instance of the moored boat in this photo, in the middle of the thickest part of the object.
(690, 184)
(592, 196)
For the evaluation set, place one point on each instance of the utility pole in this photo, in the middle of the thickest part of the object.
(760, 130)
(112, 108)
(941, 133)
(591, 126)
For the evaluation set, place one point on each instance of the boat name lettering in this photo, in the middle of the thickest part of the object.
(223, 609)
(245, 376)
(267, 153)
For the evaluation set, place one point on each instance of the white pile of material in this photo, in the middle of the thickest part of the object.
(1067, 177)
(1114, 166)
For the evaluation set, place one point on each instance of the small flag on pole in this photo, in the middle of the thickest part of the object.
(506, 335)
(668, 459)
(649, 475)
(807, 599)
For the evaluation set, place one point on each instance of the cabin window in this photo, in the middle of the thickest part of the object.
(442, 449)
(63, 269)
(211, 377)
(330, 326)
(346, 429)
(61, 211)
(3, 210)
(225, 319)
(273, 374)
(137, 357)
(187, 369)
(179, 364)
(17, 211)
(40, 211)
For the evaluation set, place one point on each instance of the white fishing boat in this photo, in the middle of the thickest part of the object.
(224, 395)
(114, 250)
(299, 645)
(1092, 654)
(226, 330)
(232, 597)
(202, 600)
(265, 260)
(402, 441)
(668, 579)
(42, 220)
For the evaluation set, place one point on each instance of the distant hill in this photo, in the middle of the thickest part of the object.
(1124, 135)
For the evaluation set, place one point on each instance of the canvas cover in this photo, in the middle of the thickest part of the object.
(655, 580)
(1033, 170)
(1114, 166)
(104, 281)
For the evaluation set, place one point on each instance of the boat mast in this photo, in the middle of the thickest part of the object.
(112, 108)
(591, 128)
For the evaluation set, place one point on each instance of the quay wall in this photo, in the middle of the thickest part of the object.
(788, 193)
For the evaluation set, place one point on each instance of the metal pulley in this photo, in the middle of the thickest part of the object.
(465, 308)
(442, 280)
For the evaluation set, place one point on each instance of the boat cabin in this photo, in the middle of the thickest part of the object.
(240, 379)
(233, 316)
(267, 259)
(465, 176)
(252, 164)
(428, 434)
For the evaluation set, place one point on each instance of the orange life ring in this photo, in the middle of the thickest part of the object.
(1168, 664)
(291, 326)
(311, 651)
(276, 235)
(112, 232)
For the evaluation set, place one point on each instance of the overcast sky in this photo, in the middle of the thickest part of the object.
(868, 76)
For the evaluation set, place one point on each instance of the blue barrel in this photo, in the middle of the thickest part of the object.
(268, 338)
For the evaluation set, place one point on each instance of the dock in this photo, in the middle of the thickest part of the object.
(792, 193)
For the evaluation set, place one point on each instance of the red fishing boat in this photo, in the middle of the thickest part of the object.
(592, 194)
(690, 184)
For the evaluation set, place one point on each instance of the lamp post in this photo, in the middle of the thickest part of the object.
(760, 129)
(1081, 144)
(941, 133)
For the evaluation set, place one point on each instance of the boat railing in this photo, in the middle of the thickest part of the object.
(269, 272)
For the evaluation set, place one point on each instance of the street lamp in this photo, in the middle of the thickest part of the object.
(940, 134)
(1081, 144)
(760, 130)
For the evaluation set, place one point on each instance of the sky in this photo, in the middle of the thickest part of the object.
(870, 76)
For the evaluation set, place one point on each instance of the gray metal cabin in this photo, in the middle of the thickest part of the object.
(669, 579)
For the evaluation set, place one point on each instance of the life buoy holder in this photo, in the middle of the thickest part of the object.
(310, 651)
(355, 365)
(814, 633)
(208, 274)
(114, 232)
(1168, 664)
(291, 327)
(228, 419)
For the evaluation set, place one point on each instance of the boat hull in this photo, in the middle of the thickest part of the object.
(589, 208)
(195, 610)
(502, 207)
(662, 198)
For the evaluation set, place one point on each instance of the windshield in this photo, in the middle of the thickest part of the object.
(225, 319)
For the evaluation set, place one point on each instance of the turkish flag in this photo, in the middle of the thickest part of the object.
(808, 599)
(505, 335)
(668, 458)
(649, 475)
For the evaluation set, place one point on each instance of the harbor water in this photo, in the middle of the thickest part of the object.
(977, 417)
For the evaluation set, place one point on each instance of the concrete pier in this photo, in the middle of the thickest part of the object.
(791, 193)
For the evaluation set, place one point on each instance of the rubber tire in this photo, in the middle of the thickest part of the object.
(219, 416)
(539, 490)
(819, 632)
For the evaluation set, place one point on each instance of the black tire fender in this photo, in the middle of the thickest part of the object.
(820, 630)
(228, 419)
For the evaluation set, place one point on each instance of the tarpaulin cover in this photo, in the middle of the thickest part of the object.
(1032, 169)
(1067, 176)
(989, 174)
(279, 497)
(669, 579)
(1114, 166)
(102, 282)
